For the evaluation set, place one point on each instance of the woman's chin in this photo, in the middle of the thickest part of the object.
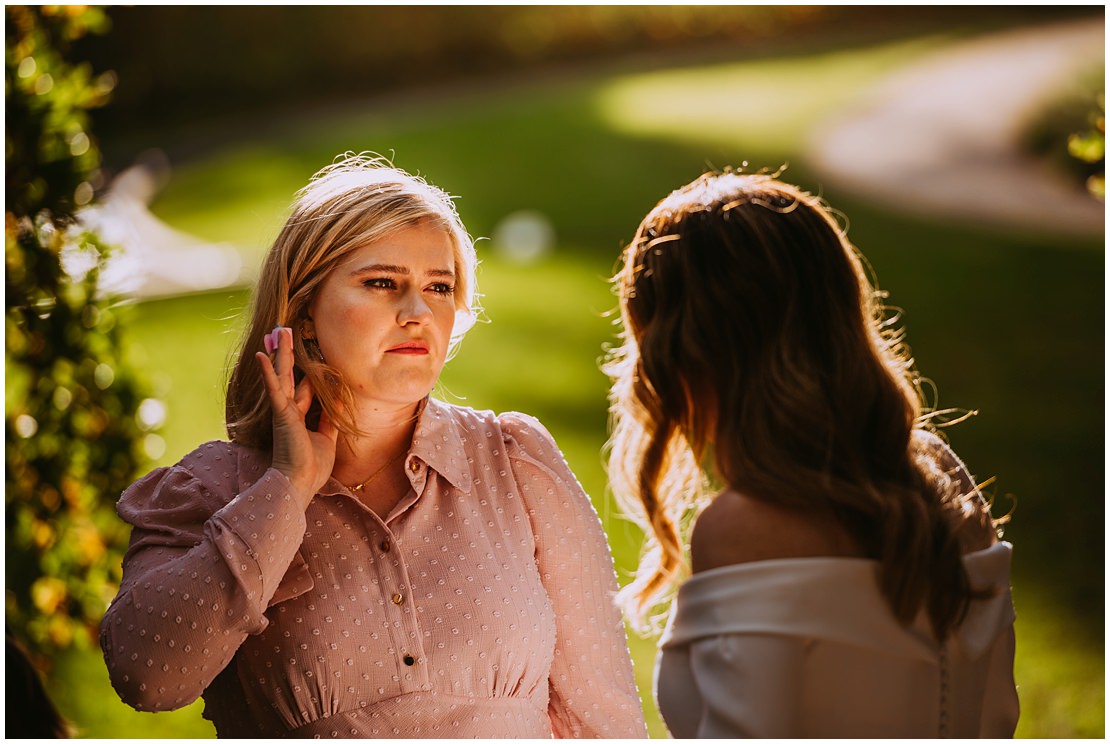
(400, 393)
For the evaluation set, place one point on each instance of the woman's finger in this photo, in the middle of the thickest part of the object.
(269, 376)
(302, 395)
(326, 427)
(278, 392)
(284, 357)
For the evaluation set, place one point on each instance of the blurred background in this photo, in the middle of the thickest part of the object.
(152, 154)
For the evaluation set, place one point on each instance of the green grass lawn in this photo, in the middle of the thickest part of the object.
(1008, 324)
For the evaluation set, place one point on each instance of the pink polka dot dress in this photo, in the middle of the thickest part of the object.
(481, 607)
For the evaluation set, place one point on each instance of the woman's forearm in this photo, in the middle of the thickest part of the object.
(183, 611)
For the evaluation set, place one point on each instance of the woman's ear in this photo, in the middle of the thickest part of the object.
(308, 338)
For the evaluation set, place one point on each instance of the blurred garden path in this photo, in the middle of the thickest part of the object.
(941, 137)
(151, 259)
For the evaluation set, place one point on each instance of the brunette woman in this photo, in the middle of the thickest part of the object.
(847, 578)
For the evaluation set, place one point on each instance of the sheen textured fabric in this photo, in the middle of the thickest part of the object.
(807, 647)
(482, 606)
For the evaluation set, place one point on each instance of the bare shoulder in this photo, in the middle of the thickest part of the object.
(736, 529)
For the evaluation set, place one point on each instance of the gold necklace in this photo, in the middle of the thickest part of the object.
(375, 474)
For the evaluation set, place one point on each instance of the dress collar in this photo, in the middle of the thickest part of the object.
(437, 443)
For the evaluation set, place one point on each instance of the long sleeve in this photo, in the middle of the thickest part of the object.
(592, 689)
(203, 564)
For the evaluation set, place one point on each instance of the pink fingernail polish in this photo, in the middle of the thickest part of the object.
(270, 340)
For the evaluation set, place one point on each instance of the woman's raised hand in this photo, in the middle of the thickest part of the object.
(305, 457)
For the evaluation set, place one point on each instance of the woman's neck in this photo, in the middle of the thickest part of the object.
(387, 435)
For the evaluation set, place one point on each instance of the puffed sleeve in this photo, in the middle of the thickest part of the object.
(742, 686)
(1001, 708)
(592, 690)
(986, 639)
(203, 564)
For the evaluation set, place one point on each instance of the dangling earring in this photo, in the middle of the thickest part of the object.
(312, 346)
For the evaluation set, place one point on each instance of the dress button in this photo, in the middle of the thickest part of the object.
(398, 598)
(414, 466)
(409, 661)
(385, 546)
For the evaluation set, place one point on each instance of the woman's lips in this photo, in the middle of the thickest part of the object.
(411, 347)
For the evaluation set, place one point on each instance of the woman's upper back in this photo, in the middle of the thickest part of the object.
(783, 631)
(806, 647)
(737, 528)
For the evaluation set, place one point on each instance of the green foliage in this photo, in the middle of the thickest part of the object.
(1069, 133)
(1089, 146)
(72, 438)
(183, 65)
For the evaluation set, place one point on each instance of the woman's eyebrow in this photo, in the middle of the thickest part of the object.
(385, 268)
(395, 269)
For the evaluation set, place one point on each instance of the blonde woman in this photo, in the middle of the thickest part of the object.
(847, 579)
(361, 559)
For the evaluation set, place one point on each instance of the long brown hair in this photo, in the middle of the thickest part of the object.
(355, 201)
(757, 351)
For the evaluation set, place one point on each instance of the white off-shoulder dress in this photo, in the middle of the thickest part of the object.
(807, 647)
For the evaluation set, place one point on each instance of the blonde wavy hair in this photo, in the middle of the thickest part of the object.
(354, 201)
(757, 353)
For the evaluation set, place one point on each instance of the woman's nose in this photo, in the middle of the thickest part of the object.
(414, 309)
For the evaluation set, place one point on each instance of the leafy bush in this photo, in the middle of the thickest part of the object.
(1089, 146)
(1069, 133)
(72, 437)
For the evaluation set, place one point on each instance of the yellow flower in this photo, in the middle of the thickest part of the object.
(90, 547)
(48, 593)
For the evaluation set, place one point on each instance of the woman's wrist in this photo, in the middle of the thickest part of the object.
(302, 487)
